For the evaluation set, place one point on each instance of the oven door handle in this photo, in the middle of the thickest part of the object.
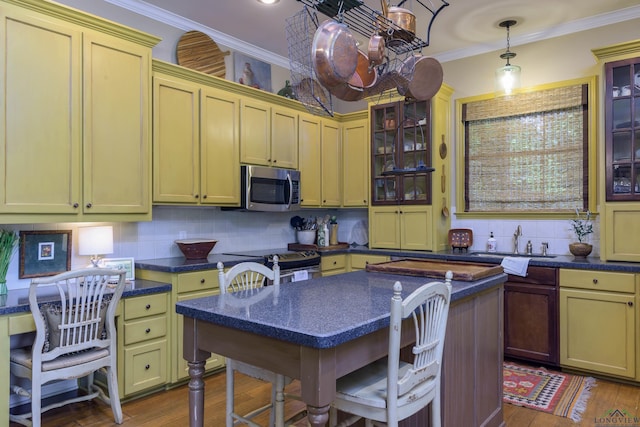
(309, 270)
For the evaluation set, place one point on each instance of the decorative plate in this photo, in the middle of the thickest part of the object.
(460, 238)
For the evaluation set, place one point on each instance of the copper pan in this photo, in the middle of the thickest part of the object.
(376, 49)
(404, 22)
(354, 89)
(424, 77)
(334, 52)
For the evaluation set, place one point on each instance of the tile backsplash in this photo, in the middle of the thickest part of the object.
(237, 231)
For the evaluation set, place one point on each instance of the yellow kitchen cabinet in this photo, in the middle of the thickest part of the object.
(196, 142)
(333, 264)
(84, 130)
(360, 261)
(621, 233)
(268, 134)
(400, 227)
(355, 163)
(143, 353)
(185, 286)
(598, 322)
(310, 140)
(331, 160)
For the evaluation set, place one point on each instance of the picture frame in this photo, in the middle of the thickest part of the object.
(44, 253)
(120, 264)
(251, 72)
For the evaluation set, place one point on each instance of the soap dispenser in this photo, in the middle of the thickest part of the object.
(492, 244)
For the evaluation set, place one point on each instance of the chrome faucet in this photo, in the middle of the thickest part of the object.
(516, 237)
(545, 247)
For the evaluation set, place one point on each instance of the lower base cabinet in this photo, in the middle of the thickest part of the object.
(531, 316)
(360, 261)
(188, 285)
(598, 322)
(143, 352)
(333, 264)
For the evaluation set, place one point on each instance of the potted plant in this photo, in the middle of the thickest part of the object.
(582, 228)
(8, 241)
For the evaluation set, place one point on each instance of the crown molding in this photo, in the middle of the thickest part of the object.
(177, 21)
(180, 22)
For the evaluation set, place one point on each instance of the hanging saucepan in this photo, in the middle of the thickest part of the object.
(424, 77)
(403, 19)
(354, 88)
(334, 52)
(376, 49)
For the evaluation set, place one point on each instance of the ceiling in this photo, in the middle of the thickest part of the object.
(463, 28)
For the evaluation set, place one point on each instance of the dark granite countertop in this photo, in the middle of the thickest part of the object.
(179, 264)
(17, 300)
(182, 265)
(319, 313)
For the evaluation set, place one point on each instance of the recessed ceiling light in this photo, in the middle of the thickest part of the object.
(268, 1)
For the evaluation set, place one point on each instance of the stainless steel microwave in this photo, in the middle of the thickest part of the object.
(270, 189)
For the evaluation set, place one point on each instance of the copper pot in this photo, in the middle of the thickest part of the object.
(334, 52)
(403, 19)
(354, 89)
(376, 49)
(424, 77)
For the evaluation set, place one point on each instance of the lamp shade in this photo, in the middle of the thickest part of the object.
(507, 79)
(95, 240)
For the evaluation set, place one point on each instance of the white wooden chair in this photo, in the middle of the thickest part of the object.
(244, 279)
(390, 390)
(75, 336)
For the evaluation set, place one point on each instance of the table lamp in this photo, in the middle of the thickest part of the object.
(95, 241)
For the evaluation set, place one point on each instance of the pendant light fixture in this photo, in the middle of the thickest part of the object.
(507, 77)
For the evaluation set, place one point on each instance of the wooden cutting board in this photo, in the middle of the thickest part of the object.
(463, 271)
(199, 52)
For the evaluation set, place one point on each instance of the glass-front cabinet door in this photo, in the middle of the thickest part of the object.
(401, 153)
(622, 124)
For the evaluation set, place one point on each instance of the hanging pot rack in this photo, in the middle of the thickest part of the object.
(362, 19)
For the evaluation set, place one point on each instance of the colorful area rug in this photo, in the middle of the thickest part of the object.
(552, 392)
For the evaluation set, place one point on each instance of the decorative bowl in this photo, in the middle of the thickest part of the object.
(196, 248)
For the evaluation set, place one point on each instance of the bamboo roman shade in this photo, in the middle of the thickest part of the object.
(526, 152)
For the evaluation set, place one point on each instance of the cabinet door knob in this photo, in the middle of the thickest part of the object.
(630, 303)
(89, 205)
(147, 330)
(204, 196)
(148, 306)
(202, 280)
(595, 281)
(197, 196)
(147, 367)
(75, 205)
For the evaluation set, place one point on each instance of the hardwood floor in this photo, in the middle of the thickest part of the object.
(170, 408)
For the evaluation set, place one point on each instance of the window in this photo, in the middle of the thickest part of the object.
(528, 152)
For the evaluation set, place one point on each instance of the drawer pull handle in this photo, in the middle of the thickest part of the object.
(147, 367)
(630, 303)
(148, 306)
(595, 281)
(202, 280)
(148, 330)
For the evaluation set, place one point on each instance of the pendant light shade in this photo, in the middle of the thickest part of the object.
(507, 77)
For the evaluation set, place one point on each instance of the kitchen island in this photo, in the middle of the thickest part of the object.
(321, 329)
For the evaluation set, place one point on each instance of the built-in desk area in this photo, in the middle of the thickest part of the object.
(16, 318)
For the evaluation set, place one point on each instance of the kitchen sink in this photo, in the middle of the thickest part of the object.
(505, 254)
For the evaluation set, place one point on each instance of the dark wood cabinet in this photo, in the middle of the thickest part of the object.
(531, 316)
(622, 130)
(401, 162)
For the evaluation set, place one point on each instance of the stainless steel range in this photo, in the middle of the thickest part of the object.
(294, 265)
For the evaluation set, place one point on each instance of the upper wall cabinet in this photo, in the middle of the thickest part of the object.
(268, 134)
(196, 142)
(355, 163)
(76, 116)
